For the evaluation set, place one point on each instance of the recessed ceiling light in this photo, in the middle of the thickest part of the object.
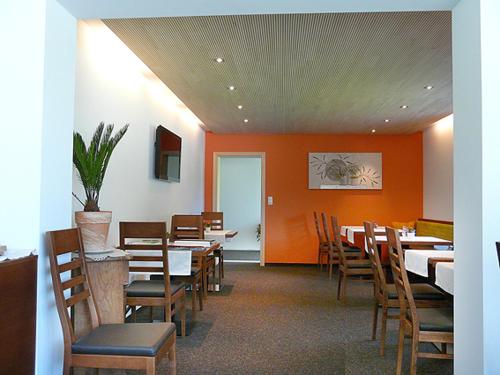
(240, 107)
(404, 106)
(373, 130)
(231, 88)
(245, 120)
(429, 87)
(387, 120)
(219, 60)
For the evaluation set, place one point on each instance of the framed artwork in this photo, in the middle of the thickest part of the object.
(345, 170)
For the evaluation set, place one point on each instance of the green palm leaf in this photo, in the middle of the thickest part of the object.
(92, 162)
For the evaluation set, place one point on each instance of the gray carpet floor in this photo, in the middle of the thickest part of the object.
(231, 255)
(286, 320)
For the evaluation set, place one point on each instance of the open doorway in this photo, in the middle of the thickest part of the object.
(239, 193)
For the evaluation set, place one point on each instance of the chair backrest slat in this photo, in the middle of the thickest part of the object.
(321, 237)
(332, 249)
(69, 266)
(337, 240)
(73, 282)
(187, 227)
(75, 298)
(400, 276)
(64, 242)
(374, 256)
(214, 219)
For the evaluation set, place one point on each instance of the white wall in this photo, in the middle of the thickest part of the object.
(476, 98)
(438, 170)
(239, 197)
(36, 96)
(114, 86)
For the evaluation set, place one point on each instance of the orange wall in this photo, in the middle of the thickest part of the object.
(290, 233)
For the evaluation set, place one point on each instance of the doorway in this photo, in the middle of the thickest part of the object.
(239, 193)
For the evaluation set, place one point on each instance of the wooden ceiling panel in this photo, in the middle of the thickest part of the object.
(302, 73)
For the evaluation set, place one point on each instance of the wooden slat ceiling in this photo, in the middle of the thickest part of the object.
(302, 73)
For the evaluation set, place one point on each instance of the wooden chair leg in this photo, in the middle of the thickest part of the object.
(151, 367)
(343, 289)
(383, 332)
(194, 293)
(183, 316)
(414, 354)
(375, 320)
(151, 314)
(330, 267)
(222, 263)
(401, 343)
(200, 295)
(339, 285)
(172, 366)
(134, 315)
(214, 280)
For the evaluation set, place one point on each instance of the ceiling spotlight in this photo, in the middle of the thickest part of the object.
(387, 120)
(240, 107)
(373, 130)
(231, 88)
(219, 60)
(404, 106)
(245, 120)
(429, 87)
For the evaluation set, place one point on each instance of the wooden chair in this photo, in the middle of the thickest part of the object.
(323, 248)
(190, 227)
(348, 267)
(434, 325)
(216, 222)
(132, 346)
(151, 293)
(333, 252)
(386, 296)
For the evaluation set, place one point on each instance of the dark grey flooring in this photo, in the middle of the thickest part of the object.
(286, 320)
(246, 255)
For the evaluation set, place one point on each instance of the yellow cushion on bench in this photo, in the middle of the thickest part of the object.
(401, 224)
(439, 230)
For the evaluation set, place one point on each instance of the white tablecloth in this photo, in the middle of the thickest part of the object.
(11, 254)
(350, 230)
(416, 260)
(444, 276)
(416, 239)
(218, 236)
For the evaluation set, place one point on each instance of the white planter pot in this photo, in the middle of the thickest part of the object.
(95, 228)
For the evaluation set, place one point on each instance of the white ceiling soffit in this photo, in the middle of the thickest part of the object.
(92, 9)
(302, 73)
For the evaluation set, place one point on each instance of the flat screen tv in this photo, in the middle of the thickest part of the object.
(167, 155)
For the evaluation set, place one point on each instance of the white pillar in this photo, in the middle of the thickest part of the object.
(476, 106)
(38, 39)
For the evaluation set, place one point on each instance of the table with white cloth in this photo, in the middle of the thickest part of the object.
(221, 236)
(354, 234)
(444, 276)
(417, 261)
(417, 241)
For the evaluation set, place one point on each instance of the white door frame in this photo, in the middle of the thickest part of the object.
(215, 197)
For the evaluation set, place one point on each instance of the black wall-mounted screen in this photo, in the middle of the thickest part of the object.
(167, 155)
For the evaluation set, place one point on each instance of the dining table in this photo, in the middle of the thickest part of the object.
(435, 265)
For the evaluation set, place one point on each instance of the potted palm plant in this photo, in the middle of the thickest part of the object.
(91, 163)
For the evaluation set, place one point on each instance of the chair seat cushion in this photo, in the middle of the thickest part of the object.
(136, 339)
(151, 288)
(435, 319)
(420, 292)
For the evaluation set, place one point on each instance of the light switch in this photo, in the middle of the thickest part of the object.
(270, 200)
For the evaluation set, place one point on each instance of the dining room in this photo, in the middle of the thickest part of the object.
(369, 137)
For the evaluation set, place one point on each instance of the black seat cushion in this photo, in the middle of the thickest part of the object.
(420, 292)
(151, 288)
(439, 320)
(351, 249)
(358, 264)
(137, 339)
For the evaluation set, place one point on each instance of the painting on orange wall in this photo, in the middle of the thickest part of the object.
(329, 170)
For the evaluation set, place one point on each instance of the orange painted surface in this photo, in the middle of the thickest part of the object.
(290, 233)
